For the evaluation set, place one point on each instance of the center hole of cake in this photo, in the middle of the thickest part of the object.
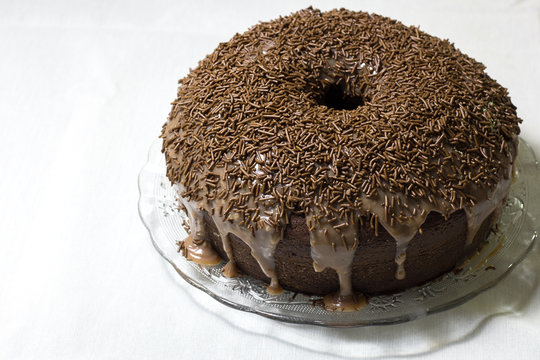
(335, 98)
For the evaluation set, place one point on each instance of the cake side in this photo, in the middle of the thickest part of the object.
(439, 249)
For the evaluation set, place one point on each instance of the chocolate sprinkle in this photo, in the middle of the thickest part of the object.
(317, 109)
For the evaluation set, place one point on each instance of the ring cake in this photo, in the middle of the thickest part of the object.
(339, 153)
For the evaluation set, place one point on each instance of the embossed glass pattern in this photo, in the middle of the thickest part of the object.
(517, 230)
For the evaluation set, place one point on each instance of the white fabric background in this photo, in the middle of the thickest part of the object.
(84, 90)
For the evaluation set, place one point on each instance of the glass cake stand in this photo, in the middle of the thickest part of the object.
(505, 248)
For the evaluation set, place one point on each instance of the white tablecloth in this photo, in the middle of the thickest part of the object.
(84, 90)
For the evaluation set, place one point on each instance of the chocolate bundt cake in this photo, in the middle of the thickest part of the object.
(339, 153)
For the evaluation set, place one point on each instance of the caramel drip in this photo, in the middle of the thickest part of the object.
(202, 253)
(337, 302)
(333, 246)
(478, 213)
(195, 245)
(262, 243)
(230, 269)
(402, 230)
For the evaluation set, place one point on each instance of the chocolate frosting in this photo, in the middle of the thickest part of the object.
(340, 116)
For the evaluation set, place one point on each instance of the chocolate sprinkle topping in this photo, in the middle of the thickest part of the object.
(319, 109)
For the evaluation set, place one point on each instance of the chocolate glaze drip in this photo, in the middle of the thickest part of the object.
(333, 245)
(200, 252)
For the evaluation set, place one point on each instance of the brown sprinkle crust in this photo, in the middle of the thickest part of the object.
(252, 124)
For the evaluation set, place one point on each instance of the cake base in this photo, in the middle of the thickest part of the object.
(438, 249)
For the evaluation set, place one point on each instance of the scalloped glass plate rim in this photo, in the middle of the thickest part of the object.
(346, 319)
